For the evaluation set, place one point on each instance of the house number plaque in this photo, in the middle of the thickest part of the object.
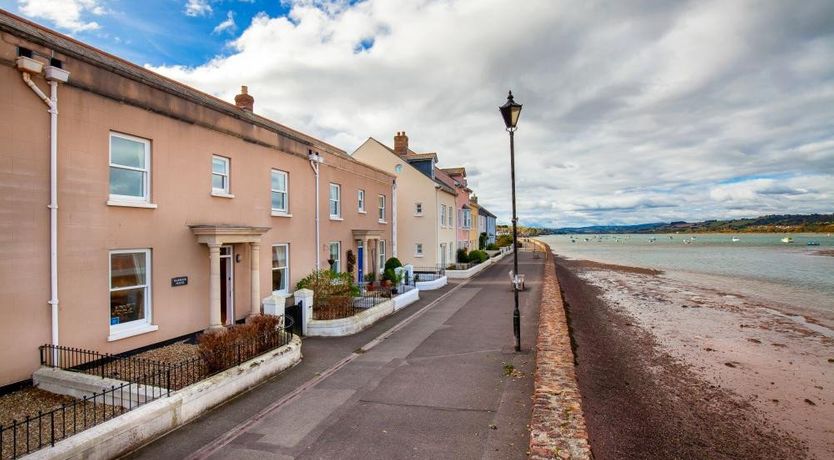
(179, 281)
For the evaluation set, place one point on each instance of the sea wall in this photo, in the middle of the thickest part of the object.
(557, 427)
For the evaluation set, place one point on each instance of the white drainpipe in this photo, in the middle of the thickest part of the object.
(394, 218)
(315, 161)
(54, 75)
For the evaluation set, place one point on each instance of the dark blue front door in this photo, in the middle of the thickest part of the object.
(359, 259)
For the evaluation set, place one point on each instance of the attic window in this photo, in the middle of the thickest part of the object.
(25, 52)
(56, 63)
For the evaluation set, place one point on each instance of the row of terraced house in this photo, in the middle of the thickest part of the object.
(136, 210)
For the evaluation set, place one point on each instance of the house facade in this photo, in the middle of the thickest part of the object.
(176, 212)
(486, 223)
(463, 210)
(425, 228)
(476, 224)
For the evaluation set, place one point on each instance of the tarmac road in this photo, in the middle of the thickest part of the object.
(426, 382)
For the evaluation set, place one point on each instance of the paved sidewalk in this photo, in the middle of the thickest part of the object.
(433, 388)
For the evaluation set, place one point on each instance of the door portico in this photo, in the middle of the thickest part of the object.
(216, 236)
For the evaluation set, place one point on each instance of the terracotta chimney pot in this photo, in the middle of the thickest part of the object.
(244, 101)
(401, 144)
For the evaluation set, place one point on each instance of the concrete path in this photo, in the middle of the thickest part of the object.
(426, 382)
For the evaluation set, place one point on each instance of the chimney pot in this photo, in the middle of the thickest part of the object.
(401, 144)
(244, 101)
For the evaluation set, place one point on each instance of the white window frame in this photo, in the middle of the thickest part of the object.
(338, 201)
(381, 208)
(287, 268)
(360, 201)
(131, 328)
(226, 177)
(286, 191)
(381, 252)
(146, 171)
(418, 250)
(418, 209)
(443, 216)
(337, 265)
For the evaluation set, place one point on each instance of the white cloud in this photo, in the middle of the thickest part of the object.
(197, 8)
(633, 112)
(226, 26)
(65, 14)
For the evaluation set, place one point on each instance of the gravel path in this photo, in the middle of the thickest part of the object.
(641, 403)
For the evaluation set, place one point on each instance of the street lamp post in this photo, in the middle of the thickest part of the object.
(510, 111)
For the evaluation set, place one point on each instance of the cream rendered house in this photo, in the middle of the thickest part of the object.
(425, 232)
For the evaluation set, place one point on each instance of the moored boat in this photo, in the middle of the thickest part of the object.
(787, 239)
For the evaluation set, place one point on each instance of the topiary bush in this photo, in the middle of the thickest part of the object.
(462, 256)
(391, 263)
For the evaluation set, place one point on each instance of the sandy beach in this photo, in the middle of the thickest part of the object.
(669, 369)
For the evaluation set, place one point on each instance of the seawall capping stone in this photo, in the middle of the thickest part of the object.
(557, 426)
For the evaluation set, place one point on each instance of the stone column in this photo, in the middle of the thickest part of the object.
(367, 257)
(214, 287)
(255, 265)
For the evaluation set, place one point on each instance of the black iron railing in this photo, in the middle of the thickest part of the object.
(104, 365)
(22, 437)
(337, 307)
(428, 273)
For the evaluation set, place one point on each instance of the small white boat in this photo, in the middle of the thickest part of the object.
(787, 240)
(736, 239)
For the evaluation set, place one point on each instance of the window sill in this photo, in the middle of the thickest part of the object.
(222, 195)
(381, 222)
(362, 212)
(418, 215)
(280, 214)
(144, 329)
(131, 204)
(336, 218)
(420, 256)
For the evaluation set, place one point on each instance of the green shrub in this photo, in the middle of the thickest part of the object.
(478, 257)
(390, 275)
(462, 256)
(370, 277)
(391, 264)
(504, 240)
(492, 247)
(326, 284)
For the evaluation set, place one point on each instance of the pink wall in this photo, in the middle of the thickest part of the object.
(183, 135)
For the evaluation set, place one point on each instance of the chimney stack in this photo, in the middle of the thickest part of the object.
(244, 101)
(401, 144)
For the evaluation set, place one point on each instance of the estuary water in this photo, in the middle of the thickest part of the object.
(793, 277)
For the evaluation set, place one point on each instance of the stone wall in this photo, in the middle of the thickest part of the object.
(557, 427)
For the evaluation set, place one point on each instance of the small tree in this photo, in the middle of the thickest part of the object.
(482, 240)
(462, 256)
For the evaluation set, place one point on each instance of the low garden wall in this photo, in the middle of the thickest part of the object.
(470, 272)
(406, 298)
(431, 285)
(350, 325)
(121, 434)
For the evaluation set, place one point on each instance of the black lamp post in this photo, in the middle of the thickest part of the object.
(510, 111)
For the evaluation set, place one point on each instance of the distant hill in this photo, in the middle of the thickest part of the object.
(785, 223)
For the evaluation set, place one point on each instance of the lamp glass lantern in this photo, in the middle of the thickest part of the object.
(510, 111)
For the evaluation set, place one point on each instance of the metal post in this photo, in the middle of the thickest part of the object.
(516, 313)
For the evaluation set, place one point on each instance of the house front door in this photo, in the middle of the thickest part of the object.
(227, 278)
(360, 263)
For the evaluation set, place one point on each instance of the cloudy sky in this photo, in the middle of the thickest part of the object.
(637, 111)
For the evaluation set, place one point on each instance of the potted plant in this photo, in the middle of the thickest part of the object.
(369, 279)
